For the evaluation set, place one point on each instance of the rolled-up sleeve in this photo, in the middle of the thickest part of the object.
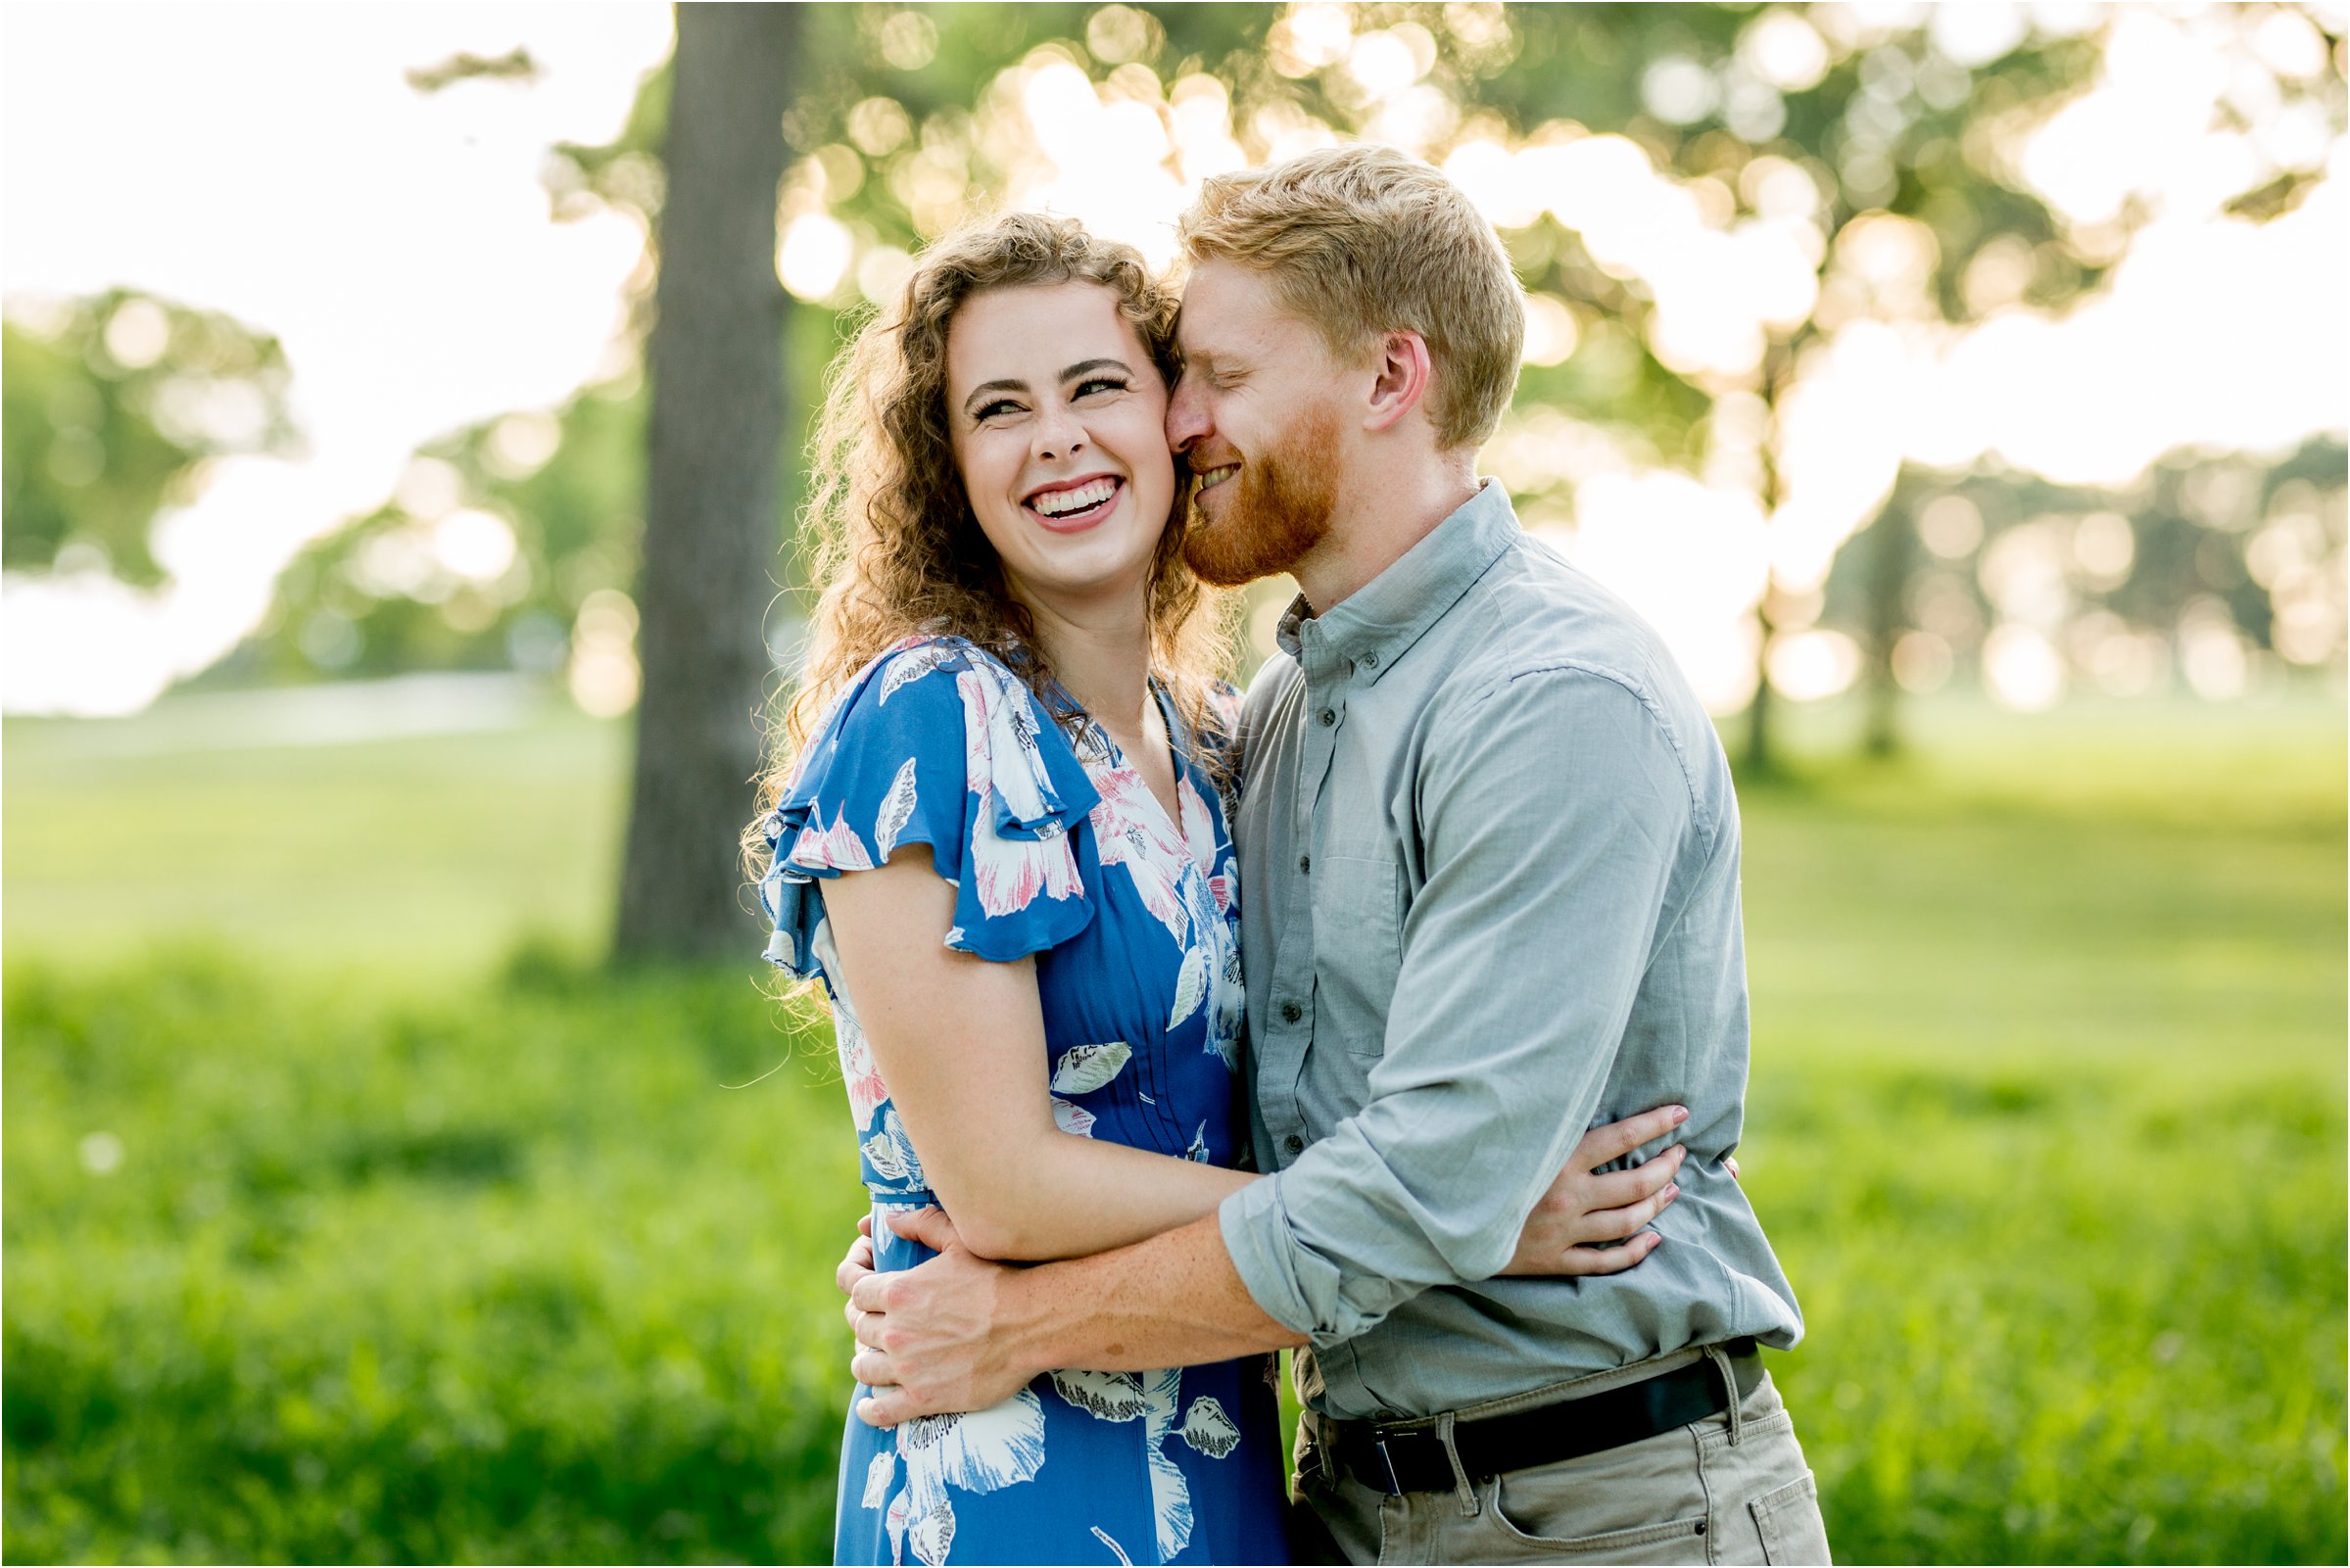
(1553, 816)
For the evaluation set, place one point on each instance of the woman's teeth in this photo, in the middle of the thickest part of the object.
(1062, 503)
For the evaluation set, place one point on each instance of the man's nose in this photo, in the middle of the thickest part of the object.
(1187, 421)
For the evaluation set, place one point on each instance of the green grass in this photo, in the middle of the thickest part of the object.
(412, 1253)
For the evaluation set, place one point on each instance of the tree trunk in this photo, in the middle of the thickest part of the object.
(715, 360)
(1778, 363)
(1891, 554)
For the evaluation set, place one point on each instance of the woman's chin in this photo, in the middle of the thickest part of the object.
(1073, 579)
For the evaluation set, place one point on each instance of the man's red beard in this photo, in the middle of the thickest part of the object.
(1279, 509)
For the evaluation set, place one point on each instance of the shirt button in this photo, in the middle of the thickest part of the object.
(1293, 1144)
(1329, 716)
(1291, 1012)
(1305, 865)
(1370, 660)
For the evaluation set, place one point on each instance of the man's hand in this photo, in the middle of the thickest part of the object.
(1582, 1207)
(927, 1338)
(856, 1264)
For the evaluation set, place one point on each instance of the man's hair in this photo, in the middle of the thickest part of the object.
(1361, 241)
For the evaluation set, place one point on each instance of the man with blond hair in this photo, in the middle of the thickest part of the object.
(1491, 853)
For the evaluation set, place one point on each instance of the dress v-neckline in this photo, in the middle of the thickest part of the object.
(1172, 829)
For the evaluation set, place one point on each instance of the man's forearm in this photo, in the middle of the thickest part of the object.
(1174, 1300)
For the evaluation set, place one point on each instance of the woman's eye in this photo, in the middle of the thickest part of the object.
(1100, 384)
(990, 410)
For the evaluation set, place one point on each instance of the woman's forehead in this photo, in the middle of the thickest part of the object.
(1038, 322)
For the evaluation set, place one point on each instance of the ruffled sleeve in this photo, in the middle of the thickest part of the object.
(935, 744)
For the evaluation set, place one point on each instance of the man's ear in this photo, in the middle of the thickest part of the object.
(1401, 375)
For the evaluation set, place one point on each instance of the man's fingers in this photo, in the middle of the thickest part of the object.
(867, 1292)
(1583, 1260)
(864, 1326)
(1620, 1187)
(929, 1226)
(865, 1224)
(884, 1409)
(854, 1266)
(872, 1369)
(1619, 1138)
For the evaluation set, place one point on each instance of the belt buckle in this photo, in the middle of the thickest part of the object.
(1395, 1485)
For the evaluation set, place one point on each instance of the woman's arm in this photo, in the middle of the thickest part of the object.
(960, 1042)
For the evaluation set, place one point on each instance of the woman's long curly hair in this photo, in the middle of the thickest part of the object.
(889, 532)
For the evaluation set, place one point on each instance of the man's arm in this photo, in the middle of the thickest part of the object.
(960, 1333)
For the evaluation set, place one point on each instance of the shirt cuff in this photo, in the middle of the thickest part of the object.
(1296, 1287)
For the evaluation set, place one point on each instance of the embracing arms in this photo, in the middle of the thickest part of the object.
(960, 1333)
(958, 1039)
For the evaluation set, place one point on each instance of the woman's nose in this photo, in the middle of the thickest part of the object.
(1058, 434)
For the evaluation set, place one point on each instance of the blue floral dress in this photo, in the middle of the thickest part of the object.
(1059, 849)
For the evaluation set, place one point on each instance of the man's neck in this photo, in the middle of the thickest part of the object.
(1380, 517)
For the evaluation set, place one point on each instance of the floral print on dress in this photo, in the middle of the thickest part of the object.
(1057, 849)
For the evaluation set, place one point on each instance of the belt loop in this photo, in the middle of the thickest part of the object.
(1471, 1507)
(1721, 1365)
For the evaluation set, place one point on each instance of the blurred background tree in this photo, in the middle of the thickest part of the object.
(717, 421)
(1716, 211)
(113, 406)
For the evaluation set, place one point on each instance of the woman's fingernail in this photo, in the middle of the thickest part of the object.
(1680, 1115)
(1673, 1191)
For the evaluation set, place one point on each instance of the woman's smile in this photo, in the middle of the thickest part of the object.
(1072, 505)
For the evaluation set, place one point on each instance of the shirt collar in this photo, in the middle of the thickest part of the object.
(1372, 627)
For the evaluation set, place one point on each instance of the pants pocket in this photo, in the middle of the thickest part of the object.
(1538, 1534)
(1790, 1523)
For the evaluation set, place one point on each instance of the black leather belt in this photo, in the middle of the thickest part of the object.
(1412, 1459)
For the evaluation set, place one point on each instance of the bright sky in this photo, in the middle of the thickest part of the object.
(272, 163)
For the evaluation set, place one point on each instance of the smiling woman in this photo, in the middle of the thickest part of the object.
(1065, 459)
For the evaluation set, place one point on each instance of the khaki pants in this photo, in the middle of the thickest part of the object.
(1730, 1489)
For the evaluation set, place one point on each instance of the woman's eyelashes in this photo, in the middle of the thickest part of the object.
(1091, 387)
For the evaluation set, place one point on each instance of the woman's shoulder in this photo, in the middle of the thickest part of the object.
(917, 682)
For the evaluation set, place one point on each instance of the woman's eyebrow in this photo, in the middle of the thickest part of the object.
(986, 386)
(1089, 367)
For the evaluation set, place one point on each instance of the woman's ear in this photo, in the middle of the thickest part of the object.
(1402, 374)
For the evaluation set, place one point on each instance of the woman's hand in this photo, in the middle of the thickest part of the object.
(1583, 1207)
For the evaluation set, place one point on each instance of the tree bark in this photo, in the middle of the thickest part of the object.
(1891, 554)
(1761, 751)
(715, 360)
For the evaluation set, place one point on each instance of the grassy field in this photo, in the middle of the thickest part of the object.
(348, 1215)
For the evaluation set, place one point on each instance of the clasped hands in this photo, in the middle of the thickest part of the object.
(926, 1337)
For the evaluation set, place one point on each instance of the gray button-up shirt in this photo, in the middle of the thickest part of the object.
(1490, 851)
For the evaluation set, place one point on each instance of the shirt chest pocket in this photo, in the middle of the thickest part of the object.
(1358, 948)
